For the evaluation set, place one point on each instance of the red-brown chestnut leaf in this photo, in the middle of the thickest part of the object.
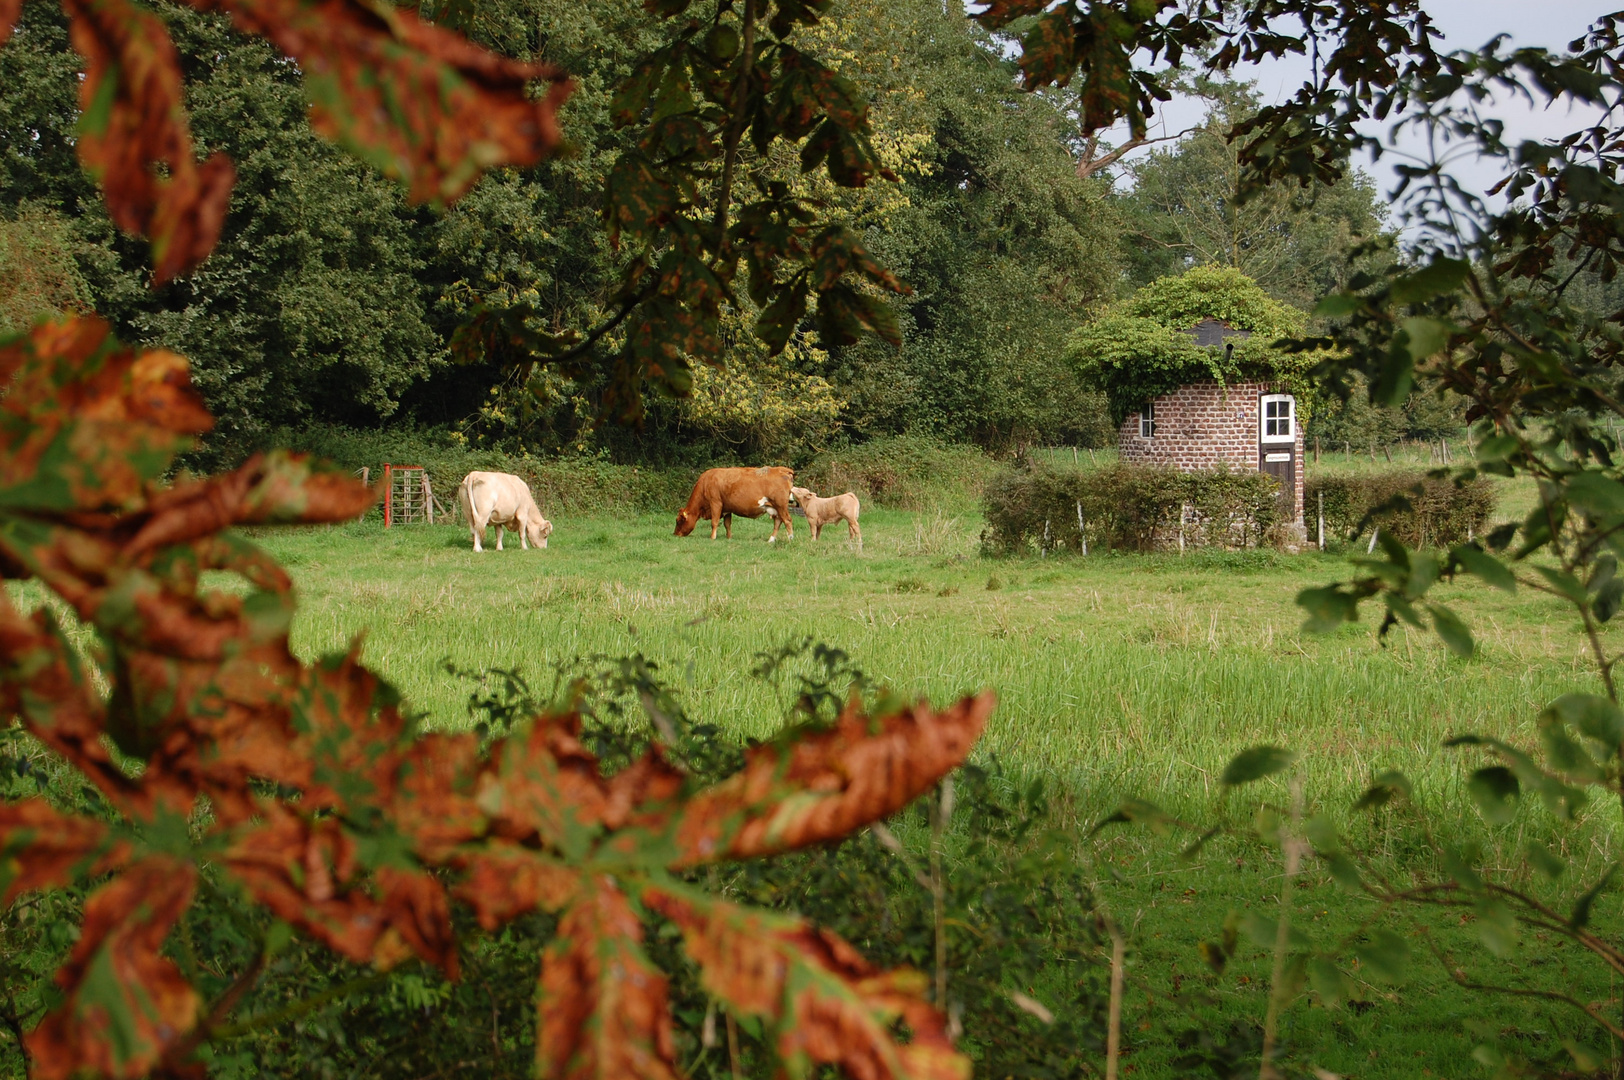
(828, 784)
(125, 1003)
(419, 103)
(135, 140)
(602, 1005)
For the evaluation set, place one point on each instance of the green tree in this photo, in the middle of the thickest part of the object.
(310, 307)
(1005, 248)
(1186, 209)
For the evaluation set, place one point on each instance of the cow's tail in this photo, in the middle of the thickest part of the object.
(465, 498)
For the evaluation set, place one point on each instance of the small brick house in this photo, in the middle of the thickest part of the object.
(1247, 425)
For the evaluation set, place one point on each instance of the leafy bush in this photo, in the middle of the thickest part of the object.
(1139, 351)
(563, 486)
(908, 472)
(1127, 508)
(1414, 507)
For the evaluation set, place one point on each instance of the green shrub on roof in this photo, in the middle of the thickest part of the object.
(1139, 349)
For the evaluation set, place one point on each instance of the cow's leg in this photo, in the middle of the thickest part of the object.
(524, 539)
(782, 506)
(727, 523)
(500, 529)
(477, 527)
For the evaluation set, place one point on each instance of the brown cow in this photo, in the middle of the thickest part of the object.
(721, 493)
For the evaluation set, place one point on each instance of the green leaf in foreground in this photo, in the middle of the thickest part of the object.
(1495, 790)
(1581, 910)
(1542, 859)
(1328, 981)
(1388, 784)
(1384, 957)
(1474, 560)
(1452, 630)
(1328, 608)
(1592, 716)
(1256, 762)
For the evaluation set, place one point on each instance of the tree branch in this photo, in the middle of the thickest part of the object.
(736, 122)
(1088, 164)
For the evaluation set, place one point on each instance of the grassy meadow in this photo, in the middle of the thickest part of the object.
(1118, 677)
(1131, 676)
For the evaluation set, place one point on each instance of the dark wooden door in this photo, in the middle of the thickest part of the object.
(1277, 448)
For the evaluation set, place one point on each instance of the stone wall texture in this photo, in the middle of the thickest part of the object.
(1204, 425)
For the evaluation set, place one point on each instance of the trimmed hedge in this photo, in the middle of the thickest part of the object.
(907, 472)
(566, 486)
(1127, 508)
(1417, 509)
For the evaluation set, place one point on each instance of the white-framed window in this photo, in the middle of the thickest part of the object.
(1147, 421)
(1277, 418)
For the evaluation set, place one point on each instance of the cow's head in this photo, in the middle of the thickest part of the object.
(538, 529)
(685, 522)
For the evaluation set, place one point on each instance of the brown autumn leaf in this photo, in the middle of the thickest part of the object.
(281, 487)
(109, 419)
(826, 1003)
(42, 848)
(419, 103)
(309, 874)
(201, 677)
(503, 881)
(43, 683)
(602, 1004)
(10, 12)
(134, 138)
(543, 786)
(419, 914)
(827, 784)
(125, 1003)
(999, 13)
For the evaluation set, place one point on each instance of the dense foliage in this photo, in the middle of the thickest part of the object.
(1186, 208)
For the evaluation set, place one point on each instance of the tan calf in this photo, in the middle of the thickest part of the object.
(821, 512)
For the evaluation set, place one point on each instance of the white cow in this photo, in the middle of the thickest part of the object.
(502, 499)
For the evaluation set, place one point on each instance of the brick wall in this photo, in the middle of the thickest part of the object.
(1203, 425)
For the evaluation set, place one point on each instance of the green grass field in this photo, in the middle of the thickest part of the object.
(1116, 675)
(1124, 676)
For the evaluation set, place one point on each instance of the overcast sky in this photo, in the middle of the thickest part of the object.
(1465, 24)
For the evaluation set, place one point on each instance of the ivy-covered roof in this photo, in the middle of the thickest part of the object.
(1143, 347)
